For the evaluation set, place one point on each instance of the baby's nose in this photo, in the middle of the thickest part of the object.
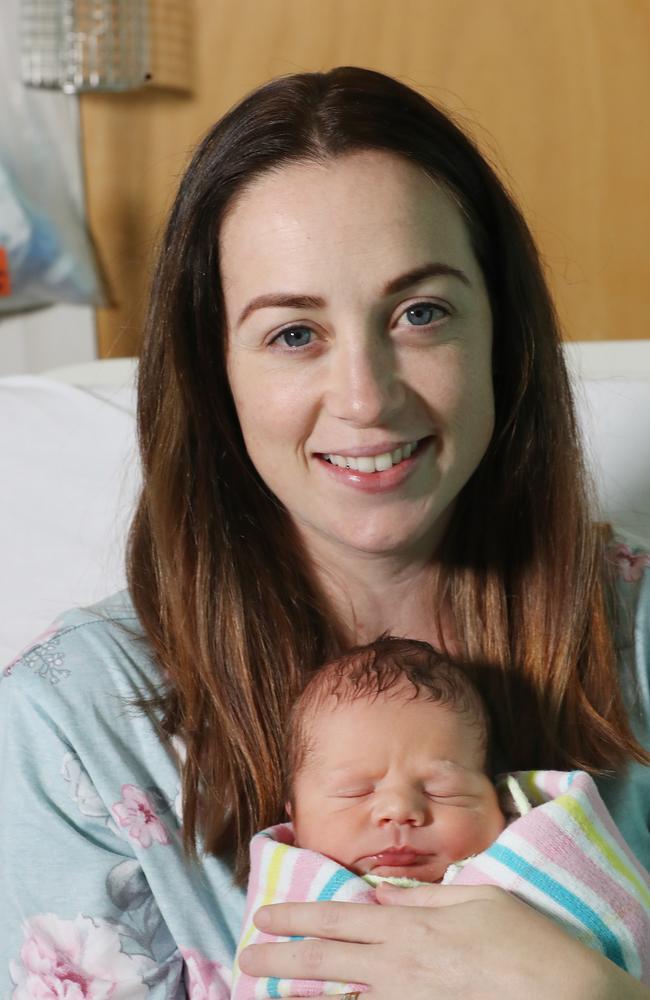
(403, 807)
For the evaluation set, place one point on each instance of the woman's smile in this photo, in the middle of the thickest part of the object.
(377, 458)
(377, 472)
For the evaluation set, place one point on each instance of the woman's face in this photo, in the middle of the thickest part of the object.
(359, 350)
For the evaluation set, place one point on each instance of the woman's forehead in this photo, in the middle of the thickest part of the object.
(370, 211)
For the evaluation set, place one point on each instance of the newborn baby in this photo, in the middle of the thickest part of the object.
(387, 763)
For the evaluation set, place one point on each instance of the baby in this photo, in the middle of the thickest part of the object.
(388, 776)
(388, 763)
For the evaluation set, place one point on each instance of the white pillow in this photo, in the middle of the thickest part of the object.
(614, 415)
(69, 475)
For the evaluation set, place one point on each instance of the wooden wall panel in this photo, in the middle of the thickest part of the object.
(555, 91)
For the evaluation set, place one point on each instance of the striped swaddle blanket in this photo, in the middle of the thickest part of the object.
(564, 856)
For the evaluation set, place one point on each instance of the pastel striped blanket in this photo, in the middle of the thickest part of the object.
(564, 856)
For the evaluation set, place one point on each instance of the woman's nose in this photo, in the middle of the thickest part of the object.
(365, 387)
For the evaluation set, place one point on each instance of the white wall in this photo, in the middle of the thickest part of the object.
(33, 342)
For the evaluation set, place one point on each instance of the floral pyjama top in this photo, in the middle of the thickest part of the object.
(97, 899)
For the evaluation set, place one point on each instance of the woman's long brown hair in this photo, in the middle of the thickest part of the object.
(225, 593)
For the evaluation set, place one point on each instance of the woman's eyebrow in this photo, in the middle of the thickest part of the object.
(285, 299)
(398, 284)
(418, 274)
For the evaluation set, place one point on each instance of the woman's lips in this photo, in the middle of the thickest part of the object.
(377, 482)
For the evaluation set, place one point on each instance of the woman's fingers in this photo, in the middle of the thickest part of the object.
(309, 959)
(338, 921)
(419, 949)
(434, 895)
(358, 921)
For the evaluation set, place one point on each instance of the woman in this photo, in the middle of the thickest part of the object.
(354, 417)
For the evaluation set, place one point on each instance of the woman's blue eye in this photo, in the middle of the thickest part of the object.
(421, 314)
(295, 336)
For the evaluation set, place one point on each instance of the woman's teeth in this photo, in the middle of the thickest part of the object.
(373, 463)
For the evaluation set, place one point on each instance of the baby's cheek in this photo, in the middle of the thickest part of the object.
(356, 839)
(343, 836)
(472, 831)
(490, 821)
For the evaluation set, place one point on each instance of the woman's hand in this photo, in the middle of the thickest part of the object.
(433, 942)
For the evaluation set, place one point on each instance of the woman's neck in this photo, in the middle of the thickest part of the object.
(371, 594)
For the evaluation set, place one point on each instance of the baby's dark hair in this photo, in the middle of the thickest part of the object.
(380, 666)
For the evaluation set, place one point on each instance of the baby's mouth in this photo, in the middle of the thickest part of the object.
(398, 857)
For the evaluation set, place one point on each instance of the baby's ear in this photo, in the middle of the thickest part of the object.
(287, 809)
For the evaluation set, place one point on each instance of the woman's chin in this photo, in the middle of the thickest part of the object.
(367, 539)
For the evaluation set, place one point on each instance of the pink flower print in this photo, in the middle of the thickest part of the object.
(205, 980)
(137, 814)
(78, 959)
(631, 566)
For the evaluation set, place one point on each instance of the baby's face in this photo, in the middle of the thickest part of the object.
(394, 787)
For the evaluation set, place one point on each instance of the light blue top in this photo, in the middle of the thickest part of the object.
(94, 886)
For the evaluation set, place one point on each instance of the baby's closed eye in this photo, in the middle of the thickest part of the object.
(351, 793)
(452, 798)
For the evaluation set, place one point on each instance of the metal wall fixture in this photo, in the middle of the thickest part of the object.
(85, 45)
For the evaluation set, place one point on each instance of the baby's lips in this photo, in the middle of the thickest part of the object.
(392, 859)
